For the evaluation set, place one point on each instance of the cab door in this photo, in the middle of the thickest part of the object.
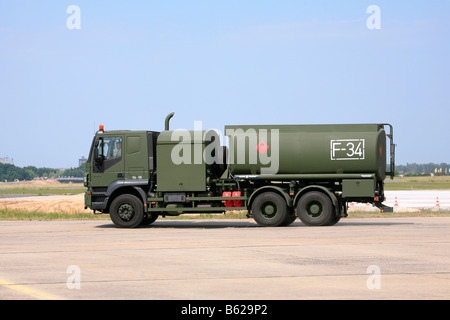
(136, 163)
(108, 162)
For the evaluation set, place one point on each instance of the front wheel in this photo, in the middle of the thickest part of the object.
(149, 218)
(127, 211)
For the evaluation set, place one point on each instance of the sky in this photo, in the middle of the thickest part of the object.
(127, 64)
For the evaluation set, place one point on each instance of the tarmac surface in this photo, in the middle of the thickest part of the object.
(400, 199)
(368, 258)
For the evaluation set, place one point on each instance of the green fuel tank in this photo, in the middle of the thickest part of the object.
(308, 149)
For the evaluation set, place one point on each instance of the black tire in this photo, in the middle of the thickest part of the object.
(335, 220)
(269, 209)
(289, 220)
(315, 209)
(149, 218)
(127, 211)
(290, 217)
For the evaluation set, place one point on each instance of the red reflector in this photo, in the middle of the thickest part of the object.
(232, 203)
(229, 203)
(238, 203)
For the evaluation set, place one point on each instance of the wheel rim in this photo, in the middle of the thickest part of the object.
(314, 209)
(126, 211)
(269, 210)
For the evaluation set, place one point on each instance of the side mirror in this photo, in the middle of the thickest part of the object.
(97, 158)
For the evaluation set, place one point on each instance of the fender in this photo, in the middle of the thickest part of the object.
(128, 183)
(268, 188)
(124, 183)
(330, 194)
(143, 197)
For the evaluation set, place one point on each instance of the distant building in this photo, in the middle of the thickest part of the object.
(7, 160)
(82, 160)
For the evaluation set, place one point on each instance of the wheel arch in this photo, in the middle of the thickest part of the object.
(322, 189)
(133, 190)
(275, 189)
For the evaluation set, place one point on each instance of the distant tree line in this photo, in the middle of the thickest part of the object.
(415, 169)
(10, 172)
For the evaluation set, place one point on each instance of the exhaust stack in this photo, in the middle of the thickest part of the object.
(169, 116)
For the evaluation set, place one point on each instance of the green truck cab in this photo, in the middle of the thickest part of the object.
(275, 173)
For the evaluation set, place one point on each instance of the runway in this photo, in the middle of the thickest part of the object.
(413, 199)
(359, 258)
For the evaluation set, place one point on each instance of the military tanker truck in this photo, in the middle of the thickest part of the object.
(275, 172)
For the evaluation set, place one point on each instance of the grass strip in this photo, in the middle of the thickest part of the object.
(43, 191)
(418, 183)
(17, 215)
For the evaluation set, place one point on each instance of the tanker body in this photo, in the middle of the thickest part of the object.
(275, 173)
(310, 149)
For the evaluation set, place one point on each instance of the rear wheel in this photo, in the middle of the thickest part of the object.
(289, 220)
(315, 209)
(127, 211)
(290, 217)
(269, 209)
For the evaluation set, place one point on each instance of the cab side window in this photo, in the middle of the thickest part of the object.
(110, 147)
(107, 152)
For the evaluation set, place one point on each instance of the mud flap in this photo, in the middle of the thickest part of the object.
(384, 208)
